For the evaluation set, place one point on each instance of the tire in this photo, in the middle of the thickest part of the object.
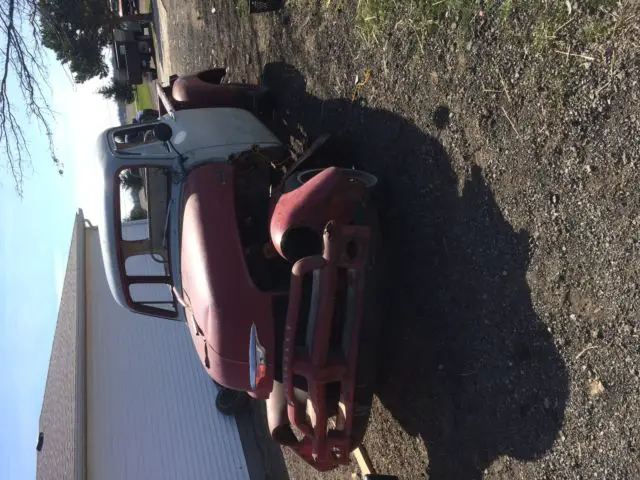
(230, 402)
(300, 178)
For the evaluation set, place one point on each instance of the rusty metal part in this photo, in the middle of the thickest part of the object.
(327, 196)
(215, 274)
(318, 362)
(307, 154)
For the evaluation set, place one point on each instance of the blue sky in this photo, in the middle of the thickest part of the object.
(35, 235)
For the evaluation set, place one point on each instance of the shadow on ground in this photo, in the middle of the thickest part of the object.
(263, 455)
(468, 366)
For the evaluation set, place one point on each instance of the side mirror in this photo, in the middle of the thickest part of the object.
(163, 132)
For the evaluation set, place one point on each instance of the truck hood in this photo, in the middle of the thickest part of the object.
(216, 286)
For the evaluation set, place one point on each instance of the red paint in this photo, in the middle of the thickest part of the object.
(215, 281)
(323, 449)
(188, 92)
(328, 196)
(223, 302)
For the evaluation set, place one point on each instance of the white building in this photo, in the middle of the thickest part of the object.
(127, 398)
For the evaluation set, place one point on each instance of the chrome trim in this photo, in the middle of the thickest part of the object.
(257, 356)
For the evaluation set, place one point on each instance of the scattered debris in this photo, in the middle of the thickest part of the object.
(504, 86)
(595, 388)
(578, 55)
(585, 350)
(368, 74)
(511, 123)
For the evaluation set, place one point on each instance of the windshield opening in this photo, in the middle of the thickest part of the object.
(144, 212)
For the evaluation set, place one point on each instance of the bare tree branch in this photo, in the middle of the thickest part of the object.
(22, 64)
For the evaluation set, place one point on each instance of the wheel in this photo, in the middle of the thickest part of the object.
(230, 402)
(302, 177)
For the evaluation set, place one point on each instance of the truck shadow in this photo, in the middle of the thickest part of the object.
(468, 366)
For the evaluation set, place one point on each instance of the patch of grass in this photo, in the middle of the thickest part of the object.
(543, 34)
(550, 26)
(423, 18)
(242, 8)
(334, 5)
(318, 6)
(543, 24)
(416, 17)
(143, 97)
(313, 4)
(506, 10)
(590, 22)
(597, 31)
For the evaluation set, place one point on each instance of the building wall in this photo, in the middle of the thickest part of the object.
(150, 405)
(58, 457)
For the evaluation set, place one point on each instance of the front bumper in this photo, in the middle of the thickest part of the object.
(321, 346)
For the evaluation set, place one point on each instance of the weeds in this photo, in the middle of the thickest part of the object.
(419, 19)
(242, 8)
(422, 18)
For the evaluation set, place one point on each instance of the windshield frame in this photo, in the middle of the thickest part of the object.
(125, 249)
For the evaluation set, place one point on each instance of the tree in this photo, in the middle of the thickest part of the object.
(22, 64)
(136, 214)
(132, 182)
(118, 91)
(78, 32)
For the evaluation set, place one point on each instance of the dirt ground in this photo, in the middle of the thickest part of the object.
(508, 146)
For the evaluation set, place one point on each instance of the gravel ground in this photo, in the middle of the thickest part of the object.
(511, 222)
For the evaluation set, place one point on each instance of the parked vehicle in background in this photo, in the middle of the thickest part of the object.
(146, 115)
(128, 7)
(133, 52)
